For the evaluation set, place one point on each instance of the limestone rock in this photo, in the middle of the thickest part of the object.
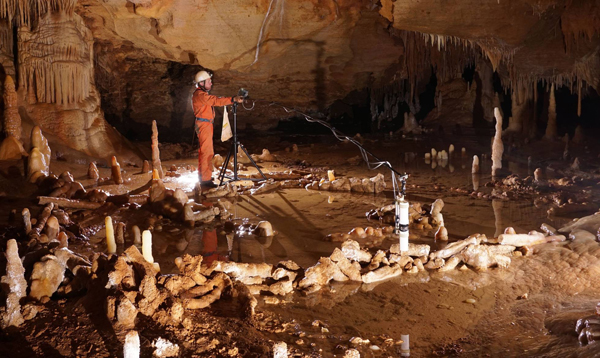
(415, 250)
(351, 249)
(47, 275)
(382, 273)
(350, 269)
(164, 348)
(320, 274)
(481, 257)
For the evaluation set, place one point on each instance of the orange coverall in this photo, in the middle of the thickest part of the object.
(203, 104)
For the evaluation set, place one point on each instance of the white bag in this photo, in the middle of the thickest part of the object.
(226, 129)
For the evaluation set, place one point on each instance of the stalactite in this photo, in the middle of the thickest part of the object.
(55, 59)
(24, 12)
(6, 38)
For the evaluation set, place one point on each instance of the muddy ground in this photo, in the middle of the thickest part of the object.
(527, 309)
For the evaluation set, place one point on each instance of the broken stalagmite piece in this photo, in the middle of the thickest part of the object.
(14, 286)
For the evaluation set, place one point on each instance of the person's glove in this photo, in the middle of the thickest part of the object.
(238, 99)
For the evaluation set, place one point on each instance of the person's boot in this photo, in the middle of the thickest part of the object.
(208, 184)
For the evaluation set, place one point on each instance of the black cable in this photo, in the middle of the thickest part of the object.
(342, 137)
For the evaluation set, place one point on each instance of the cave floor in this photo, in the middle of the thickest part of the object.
(528, 309)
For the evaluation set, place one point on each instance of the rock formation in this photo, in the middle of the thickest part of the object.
(497, 146)
(156, 165)
(11, 147)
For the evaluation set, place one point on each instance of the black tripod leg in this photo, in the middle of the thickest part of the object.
(225, 165)
(253, 162)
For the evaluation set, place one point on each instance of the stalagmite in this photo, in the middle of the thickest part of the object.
(93, 171)
(578, 136)
(451, 150)
(551, 131)
(475, 166)
(155, 151)
(115, 170)
(137, 236)
(475, 178)
(36, 166)
(26, 220)
(52, 228)
(436, 212)
(111, 246)
(40, 142)
(330, 175)
(131, 348)
(145, 167)
(14, 286)
(497, 146)
(11, 147)
(463, 152)
(120, 233)
(537, 175)
(579, 98)
(147, 246)
(280, 350)
(442, 234)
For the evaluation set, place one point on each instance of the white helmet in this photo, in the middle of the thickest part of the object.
(202, 76)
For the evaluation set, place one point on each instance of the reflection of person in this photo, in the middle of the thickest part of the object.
(203, 104)
(210, 248)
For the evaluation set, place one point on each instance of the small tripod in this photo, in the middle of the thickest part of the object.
(234, 152)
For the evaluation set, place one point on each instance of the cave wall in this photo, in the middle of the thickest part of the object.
(306, 54)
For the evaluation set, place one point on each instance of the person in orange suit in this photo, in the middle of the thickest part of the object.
(203, 104)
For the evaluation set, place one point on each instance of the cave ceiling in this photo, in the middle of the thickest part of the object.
(347, 42)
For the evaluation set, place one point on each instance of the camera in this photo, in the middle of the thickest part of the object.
(243, 93)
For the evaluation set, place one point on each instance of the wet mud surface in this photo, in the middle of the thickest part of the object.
(527, 309)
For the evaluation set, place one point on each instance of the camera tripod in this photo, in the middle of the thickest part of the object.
(233, 152)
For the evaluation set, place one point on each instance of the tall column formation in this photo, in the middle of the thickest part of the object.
(11, 147)
(155, 151)
(497, 145)
(551, 131)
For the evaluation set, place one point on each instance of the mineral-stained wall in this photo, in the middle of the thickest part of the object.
(54, 56)
(309, 53)
(302, 53)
